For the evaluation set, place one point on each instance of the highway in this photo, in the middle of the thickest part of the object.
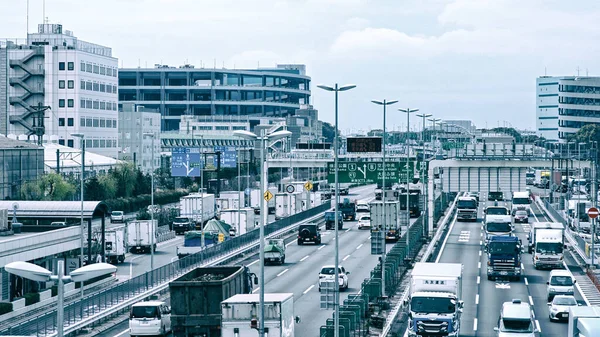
(299, 275)
(483, 299)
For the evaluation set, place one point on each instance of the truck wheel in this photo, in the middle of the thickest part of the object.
(489, 277)
(283, 260)
(299, 243)
(121, 258)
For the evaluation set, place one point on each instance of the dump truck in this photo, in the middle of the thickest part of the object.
(348, 209)
(435, 301)
(196, 298)
(239, 315)
(330, 220)
(215, 232)
(275, 251)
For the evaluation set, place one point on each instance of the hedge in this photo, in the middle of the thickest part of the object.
(5, 307)
(31, 298)
(133, 204)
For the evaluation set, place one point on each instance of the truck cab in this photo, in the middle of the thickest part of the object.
(348, 209)
(546, 243)
(504, 257)
(467, 209)
(521, 201)
(515, 319)
(330, 220)
(497, 225)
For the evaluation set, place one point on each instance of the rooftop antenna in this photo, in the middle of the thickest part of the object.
(577, 70)
(27, 18)
(545, 71)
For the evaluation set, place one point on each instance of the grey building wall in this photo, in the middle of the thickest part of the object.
(134, 122)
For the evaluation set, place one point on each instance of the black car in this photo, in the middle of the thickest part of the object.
(496, 196)
(182, 225)
(309, 233)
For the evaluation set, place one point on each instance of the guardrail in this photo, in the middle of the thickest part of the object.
(110, 300)
(357, 313)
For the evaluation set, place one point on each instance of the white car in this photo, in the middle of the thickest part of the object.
(117, 216)
(362, 208)
(559, 307)
(364, 222)
(151, 318)
(327, 274)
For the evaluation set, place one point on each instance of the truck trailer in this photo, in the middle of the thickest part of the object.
(391, 223)
(199, 207)
(139, 235)
(115, 246)
(240, 315)
(584, 322)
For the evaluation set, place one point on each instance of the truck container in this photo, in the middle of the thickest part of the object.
(254, 199)
(282, 205)
(414, 205)
(546, 243)
(196, 298)
(348, 209)
(435, 301)
(233, 197)
(248, 220)
(139, 235)
(391, 223)
(115, 245)
(271, 203)
(584, 322)
(466, 209)
(521, 201)
(504, 257)
(199, 207)
(297, 202)
(275, 251)
(240, 313)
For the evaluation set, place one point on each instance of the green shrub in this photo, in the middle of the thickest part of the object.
(5, 307)
(31, 298)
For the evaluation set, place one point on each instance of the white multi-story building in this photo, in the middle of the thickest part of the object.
(77, 80)
(546, 107)
(136, 123)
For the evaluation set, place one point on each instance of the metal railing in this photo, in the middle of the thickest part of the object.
(95, 306)
(358, 313)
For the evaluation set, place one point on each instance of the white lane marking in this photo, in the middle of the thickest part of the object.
(347, 230)
(346, 258)
(475, 324)
(131, 265)
(502, 285)
(283, 272)
(479, 265)
(304, 258)
(526, 282)
(308, 289)
(522, 266)
(477, 299)
(251, 263)
(530, 300)
(122, 332)
(255, 290)
(478, 279)
(357, 248)
(367, 239)
(464, 236)
(480, 243)
(321, 247)
(437, 260)
(479, 253)
(289, 243)
(537, 324)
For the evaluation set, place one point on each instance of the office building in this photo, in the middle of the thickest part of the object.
(134, 122)
(74, 79)
(175, 92)
(578, 104)
(546, 107)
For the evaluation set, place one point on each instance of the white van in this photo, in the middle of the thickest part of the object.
(151, 318)
(560, 282)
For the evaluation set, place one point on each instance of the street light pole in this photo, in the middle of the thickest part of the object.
(385, 103)
(153, 137)
(408, 111)
(336, 318)
(422, 176)
(239, 194)
(81, 136)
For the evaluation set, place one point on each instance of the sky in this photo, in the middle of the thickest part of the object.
(454, 59)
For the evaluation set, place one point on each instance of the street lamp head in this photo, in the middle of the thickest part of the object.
(325, 87)
(78, 135)
(278, 135)
(245, 134)
(340, 88)
(347, 87)
(385, 102)
(424, 115)
(408, 110)
(91, 271)
(29, 271)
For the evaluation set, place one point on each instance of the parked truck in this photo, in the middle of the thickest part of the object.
(348, 209)
(391, 223)
(330, 220)
(435, 301)
(139, 235)
(504, 257)
(275, 251)
(584, 322)
(115, 246)
(199, 207)
(466, 209)
(240, 315)
(546, 243)
(196, 298)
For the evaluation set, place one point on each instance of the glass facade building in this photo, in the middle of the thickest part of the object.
(19, 162)
(578, 104)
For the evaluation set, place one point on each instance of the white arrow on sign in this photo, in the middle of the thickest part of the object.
(363, 171)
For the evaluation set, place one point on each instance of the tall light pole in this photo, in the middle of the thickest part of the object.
(422, 175)
(239, 194)
(336, 319)
(151, 135)
(81, 136)
(434, 121)
(264, 211)
(384, 103)
(408, 111)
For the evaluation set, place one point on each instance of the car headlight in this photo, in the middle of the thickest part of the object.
(554, 309)
(552, 289)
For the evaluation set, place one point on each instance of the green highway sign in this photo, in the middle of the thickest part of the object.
(370, 172)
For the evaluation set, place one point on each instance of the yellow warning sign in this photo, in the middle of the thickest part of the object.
(268, 195)
(221, 237)
(308, 186)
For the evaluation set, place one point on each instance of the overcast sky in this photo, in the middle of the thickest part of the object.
(455, 59)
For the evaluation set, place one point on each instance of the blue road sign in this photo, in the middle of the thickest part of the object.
(228, 156)
(185, 162)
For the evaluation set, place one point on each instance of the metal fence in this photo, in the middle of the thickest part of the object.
(359, 311)
(135, 289)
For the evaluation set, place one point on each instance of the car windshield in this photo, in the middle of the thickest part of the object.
(564, 300)
(502, 247)
(521, 213)
(181, 220)
(144, 312)
(496, 211)
(425, 305)
(530, 175)
(330, 271)
(516, 325)
(520, 201)
(498, 227)
(365, 218)
(117, 213)
(472, 204)
(566, 281)
(549, 248)
(496, 195)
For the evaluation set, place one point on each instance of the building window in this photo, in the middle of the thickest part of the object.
(82, 66)
(102, 88)
(61, 142)
(61, 84)
(70, 122)
(114, 125)
(70, 84)
(114, 72)
(88, 67)
(88, 104)
(82, 104)
(88, 143)
(114, 106)
(222, 128)
(70, 103)
(102, 70)
(71, 66)
(61, 103)
(96, 105)
(96, 143)
(114, 89)
(70, 143)
(96, 87)
(102, 123)
(96, 123)
(82, 87)
(96, 69)
(82, 122)
(88, 122)
(88, 85)
(61, 66)
(102, 142)
(103, 105)
(61, 122)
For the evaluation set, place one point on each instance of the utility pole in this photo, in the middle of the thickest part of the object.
(39, 115)
(422, 176)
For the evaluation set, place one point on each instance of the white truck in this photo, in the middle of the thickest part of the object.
(229, 200)
(139, 235)
(435, 302)
(546, 244)
(577, 217)
(391, 223)
(115, 246)
(497, 222)
(287, 204)
(466, 209)
(584, 322)
(248, 220)
(254, 198)
(239, 315)
(521, 201)
(199, 207)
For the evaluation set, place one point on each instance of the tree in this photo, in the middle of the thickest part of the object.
(51, 187)
(125, 177)
(509, 131)
(109, 186)
(587, 134)
(329, 132)
(93, 190)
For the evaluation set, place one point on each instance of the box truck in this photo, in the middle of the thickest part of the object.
(391, 223)
(248, 220)
(584, 322)
(546, 243)
(139, 235)
(115, 245)
(199, 207)
(239, 315)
